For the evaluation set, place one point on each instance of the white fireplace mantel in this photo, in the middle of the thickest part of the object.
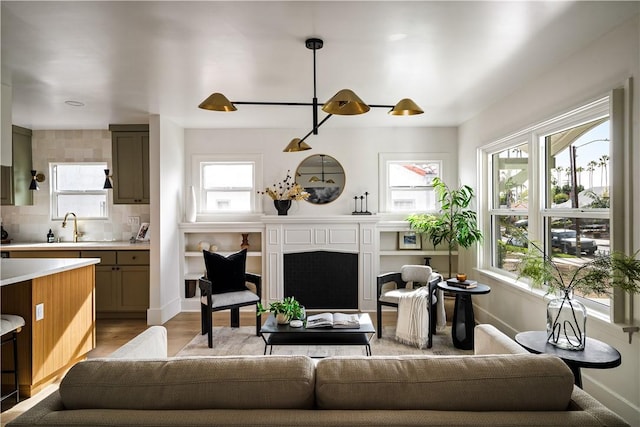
(344, 233)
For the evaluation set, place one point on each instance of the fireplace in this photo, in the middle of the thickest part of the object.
(322, 279)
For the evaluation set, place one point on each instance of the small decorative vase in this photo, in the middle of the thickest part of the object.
(190, 205)
(567, 322)
(245, 241)
(282, 319)
(282, 206)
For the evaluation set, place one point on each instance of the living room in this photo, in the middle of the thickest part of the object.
(577, 76)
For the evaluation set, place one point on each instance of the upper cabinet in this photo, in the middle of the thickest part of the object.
(130, 163)
(17, 177)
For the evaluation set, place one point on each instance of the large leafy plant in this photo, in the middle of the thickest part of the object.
(288, 306)
(455, 225)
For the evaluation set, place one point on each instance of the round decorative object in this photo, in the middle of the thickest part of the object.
(295, 323)
(204, 246)
(282, 206)
(322, 177)
(282, 319)
(566, 323)
(461, 277)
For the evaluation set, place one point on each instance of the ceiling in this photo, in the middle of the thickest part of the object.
(126, 60)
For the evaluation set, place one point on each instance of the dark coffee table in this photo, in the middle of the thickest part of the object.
(274, 334)
(596, 354)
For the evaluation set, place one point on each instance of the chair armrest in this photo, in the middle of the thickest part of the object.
(256, 279)
(390, 277)
(205, 286)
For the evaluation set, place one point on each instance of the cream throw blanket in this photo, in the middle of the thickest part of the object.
(413, 317)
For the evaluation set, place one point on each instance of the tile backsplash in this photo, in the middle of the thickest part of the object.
(31, 223)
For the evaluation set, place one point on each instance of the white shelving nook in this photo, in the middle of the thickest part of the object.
(227, 238)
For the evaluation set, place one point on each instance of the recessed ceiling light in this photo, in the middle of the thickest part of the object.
(74, 103)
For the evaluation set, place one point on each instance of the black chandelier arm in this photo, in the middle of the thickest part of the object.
(316, 127)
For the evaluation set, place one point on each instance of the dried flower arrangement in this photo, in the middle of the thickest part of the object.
(287, 189)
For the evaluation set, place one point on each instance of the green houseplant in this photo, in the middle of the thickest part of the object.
(455, 224)
(566, 316)
(285, 310)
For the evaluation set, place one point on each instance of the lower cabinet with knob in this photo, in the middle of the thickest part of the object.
(122, 283)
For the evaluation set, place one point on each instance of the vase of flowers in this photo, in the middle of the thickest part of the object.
(283, 192)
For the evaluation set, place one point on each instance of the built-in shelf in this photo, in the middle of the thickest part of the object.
(406, 252)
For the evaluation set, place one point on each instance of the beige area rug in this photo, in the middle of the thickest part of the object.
(243, 341)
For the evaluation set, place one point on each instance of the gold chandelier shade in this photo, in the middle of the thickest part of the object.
(406, 107)
(345, 103)
(295, 145)
(217, 102)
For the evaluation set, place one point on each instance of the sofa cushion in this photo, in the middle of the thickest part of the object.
(227, 274)
(522, 382)
(234, 382)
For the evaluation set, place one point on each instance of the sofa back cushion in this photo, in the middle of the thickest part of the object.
(238, 382)
(521, 382)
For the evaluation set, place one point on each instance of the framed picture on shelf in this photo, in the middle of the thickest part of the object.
(143, 232)
(409, 240)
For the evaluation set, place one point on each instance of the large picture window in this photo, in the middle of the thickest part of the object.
(551, 184)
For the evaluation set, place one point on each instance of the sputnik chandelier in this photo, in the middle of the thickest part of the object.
(345, 103)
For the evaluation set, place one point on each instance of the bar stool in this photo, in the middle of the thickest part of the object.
(10, 325)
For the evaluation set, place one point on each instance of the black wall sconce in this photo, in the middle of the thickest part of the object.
(35, 179)
(107, 180)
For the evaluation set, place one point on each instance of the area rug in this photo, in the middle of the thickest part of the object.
(243, 341)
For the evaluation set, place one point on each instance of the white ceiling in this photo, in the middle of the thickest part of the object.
(126, 60)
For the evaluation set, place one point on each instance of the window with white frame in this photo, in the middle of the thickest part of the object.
(406, 181)
(227, 184)
(551, 184)
(78, 188)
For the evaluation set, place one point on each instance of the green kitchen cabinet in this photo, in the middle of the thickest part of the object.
(130, 163)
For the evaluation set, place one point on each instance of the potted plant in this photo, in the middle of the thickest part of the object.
(566, 316)
(284, 310)
(283, 192)
(455, 224)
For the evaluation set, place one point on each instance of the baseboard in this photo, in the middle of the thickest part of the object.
(158, 316)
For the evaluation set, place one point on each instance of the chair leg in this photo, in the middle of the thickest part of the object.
(209, 317)
(258, 322)
(379, 320)
(203, 317)
(235, 317)
(15, 365)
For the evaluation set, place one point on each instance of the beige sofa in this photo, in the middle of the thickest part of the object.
(499, 386)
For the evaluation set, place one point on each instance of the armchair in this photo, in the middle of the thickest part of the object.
(391, 285)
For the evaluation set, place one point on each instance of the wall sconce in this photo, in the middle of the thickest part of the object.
(107, 180)
(35, 179)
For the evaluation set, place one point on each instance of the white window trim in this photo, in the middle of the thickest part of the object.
(605, 105)
(53, 200)
(384, 198)
(196, 181)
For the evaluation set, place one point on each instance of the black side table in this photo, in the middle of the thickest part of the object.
(596, 354)
(463, 318)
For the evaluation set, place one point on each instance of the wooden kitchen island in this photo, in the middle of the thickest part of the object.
(64, 331)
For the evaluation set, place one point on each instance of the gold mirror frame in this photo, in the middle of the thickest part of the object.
(322, 176)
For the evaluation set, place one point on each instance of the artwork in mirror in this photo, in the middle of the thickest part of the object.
(322, 177)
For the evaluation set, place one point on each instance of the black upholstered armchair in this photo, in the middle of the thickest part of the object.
(391, 285)
(210, 302)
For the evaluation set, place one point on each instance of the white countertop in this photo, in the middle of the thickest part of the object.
(79, 246)
(20, 270)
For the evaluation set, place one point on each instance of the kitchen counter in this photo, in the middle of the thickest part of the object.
(80, 246)
(21, 270)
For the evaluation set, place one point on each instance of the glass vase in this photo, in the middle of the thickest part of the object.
(567, 323)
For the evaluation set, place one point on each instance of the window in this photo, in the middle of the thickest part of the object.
(227, 183)
(406, 181)
(551, 184)
(78, 188)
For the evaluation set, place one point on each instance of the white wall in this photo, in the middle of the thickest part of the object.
(166, 173)
(31, 223)
(589, 74)
(356, 150)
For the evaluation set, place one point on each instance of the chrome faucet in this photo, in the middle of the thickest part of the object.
(76, 233)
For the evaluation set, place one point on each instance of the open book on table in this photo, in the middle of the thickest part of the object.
(333, 320)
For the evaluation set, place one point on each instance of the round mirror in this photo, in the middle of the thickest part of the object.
(322, 177)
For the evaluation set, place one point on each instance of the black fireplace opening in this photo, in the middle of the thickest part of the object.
(322, 279)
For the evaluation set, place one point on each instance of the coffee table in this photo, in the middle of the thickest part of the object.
(274, 334)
